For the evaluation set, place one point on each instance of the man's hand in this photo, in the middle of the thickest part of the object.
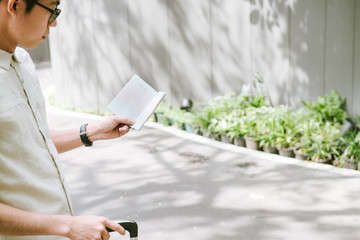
(109, 128)
(90, 228)
(17, 222)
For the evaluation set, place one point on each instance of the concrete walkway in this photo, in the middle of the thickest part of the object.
(178, 186)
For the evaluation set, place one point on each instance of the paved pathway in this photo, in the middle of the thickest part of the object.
(179, 186)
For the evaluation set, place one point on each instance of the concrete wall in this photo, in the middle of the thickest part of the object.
(204, 48)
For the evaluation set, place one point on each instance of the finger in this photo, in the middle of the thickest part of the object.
(105, 235)
(124, 129)
(126, 121)
(115, 226)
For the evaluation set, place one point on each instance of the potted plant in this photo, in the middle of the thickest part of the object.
(159, 114)
(267, 125)
(211, 113)
(202, 118)
(190, 122)
(267, 143)
(251, 126)
(205, 116)
(286, 145)
(325, 143)
(285, 131)
(306, 125)
(219, 127)
(223, 127)
(331, 107)
(350, 155)
(304, 147)
(237, 131)
(176, 117)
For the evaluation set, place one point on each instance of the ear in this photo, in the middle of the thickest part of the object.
(13, 6)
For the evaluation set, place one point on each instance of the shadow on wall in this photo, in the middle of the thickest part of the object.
(270, 46)
(303, 48)
(74, 56)
(191, 49)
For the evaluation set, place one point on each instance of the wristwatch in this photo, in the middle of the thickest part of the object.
(84, 138)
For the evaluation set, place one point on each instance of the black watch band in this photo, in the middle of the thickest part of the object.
(84, 138)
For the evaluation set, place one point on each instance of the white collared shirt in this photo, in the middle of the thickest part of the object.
(30, 173)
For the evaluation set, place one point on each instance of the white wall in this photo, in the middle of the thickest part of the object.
(354, 102)
(41, 55)
(204, 48)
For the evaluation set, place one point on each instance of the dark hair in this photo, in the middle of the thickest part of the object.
(29, 5)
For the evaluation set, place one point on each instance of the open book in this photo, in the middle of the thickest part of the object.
(137, 100)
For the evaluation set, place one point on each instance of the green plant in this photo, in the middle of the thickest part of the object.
(163, 107)
(350, 147)
(266, 124)
(160, 114)
(211, 115)
(331, 107)
(238, 127)
(283, 127)
(307, 123)
(305, 144)
(202, 116)
(226, 123)
(251, 124)
(176, 116)
(325, 142)
(248, 101)
(357, 121)
(189, 117)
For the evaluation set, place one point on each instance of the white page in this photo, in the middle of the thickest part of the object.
(148, 110)
(133, 99)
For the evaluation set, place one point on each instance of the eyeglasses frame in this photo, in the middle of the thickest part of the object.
(54, 13)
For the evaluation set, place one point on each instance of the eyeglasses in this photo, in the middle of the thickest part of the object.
(54, 13)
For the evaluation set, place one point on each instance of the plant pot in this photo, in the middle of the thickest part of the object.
(197, 131)
(204, 133)
(350, 164)
(270, 149)
(239, 141)
(189, 128)
(286, 152)
(216, 137)
(171, 121)
(181, 126)
(225, 138)
(208, 135)
(160, 118)
(251, 143)
(300, 156)
(324, 161)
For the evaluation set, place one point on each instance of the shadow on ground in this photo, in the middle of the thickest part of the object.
(176, 188)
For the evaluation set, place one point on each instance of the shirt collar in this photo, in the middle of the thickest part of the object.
(5, 59)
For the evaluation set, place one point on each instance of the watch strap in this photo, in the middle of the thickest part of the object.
(83, 136)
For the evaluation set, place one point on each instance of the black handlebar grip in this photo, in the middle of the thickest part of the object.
(129, 226)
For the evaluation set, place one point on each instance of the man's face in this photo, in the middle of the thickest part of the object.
(30, 29)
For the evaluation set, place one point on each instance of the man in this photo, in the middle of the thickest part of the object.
(34, 202)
